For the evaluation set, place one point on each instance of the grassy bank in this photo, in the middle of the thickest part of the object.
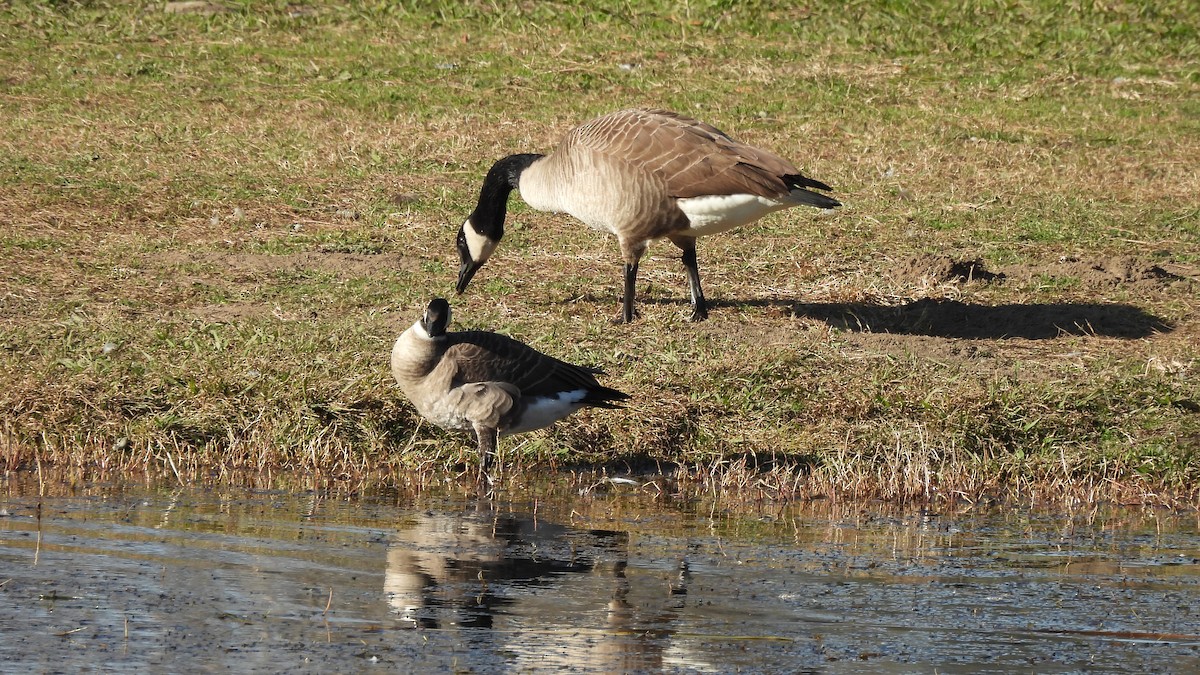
(215, 223)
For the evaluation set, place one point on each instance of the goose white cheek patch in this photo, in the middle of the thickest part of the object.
(480, 246)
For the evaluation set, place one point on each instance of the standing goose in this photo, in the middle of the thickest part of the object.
(489, 384)
(641, 175)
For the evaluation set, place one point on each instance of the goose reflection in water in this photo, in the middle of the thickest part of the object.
(529, 593)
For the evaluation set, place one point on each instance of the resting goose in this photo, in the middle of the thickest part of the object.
(641, 175)
(487, 383)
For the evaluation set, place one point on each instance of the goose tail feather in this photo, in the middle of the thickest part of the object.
(816, 199)
(604, 397)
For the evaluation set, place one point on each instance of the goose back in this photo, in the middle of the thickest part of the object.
(631, 173)
(481, 356)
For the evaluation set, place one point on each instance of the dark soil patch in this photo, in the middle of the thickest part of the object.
(944, 269)
(1112, 271)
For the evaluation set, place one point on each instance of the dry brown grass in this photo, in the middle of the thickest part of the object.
(211, 241)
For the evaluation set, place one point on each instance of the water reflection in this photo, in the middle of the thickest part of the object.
(153, 579)
(445, 569)
(510, 573)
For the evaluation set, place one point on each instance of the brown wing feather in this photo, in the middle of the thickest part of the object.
(691, 158)
(486, 403)
(483, 356)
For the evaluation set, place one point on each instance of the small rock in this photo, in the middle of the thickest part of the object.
(194, 7)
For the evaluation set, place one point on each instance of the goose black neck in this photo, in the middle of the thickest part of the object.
(501, 180)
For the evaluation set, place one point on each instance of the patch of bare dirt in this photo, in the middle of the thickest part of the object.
(1089, 272)
(1124, 270)
(236, 312)
(940, 269)
(344, 265)
(231, 312)
(231, 269)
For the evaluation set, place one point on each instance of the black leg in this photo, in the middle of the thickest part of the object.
(699, 305)
(627, 312)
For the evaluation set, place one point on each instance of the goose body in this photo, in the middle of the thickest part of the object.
(487, 383)
(641, 175)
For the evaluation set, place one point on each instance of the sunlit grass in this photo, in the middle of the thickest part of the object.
(215, 225)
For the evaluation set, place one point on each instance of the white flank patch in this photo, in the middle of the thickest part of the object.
(544, 410)
(480, 246)
(717, 213)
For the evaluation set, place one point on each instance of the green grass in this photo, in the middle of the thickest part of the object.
(214, 226)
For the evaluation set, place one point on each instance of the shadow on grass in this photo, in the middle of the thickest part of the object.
(954, 319)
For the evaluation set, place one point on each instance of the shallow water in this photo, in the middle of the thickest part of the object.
(163, 579)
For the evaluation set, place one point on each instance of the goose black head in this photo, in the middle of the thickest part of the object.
(437, 318)
(480, 234)
(474, 248)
